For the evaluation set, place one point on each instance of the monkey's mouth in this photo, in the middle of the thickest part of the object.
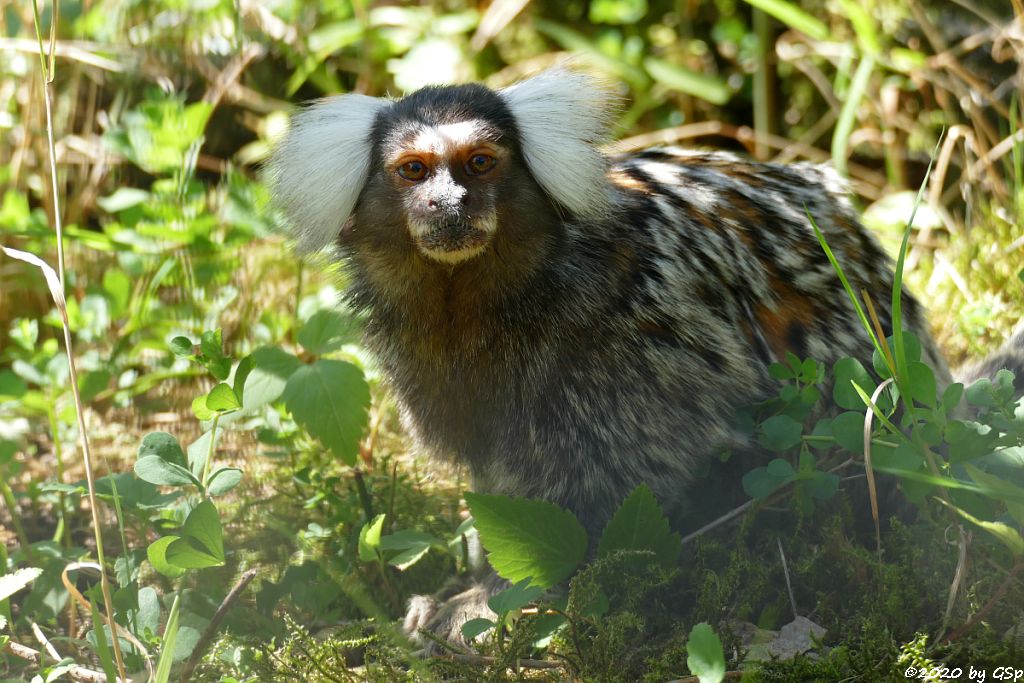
(452, 242)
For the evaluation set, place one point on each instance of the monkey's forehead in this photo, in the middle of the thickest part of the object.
(464, 112)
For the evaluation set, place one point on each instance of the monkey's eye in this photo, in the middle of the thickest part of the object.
(478, 164)
(414, 170)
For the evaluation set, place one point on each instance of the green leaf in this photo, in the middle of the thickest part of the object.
(201, 543)
(266, 381)
(16, 580)
(514, 597)
(639, 524)
(617, 11)
(922, 383)
(951, 397)
(369, 539)
(762, 481)
(202, 411)
(157, 554)
(212, 347)
(848, 431)
(328, 330)
(676, 77)
(1009, 493)
(156, 470)
(164, 446)
(11, 385)
(528, 539)
(1005, 533)
(704, 654)
(474, 627)
(779, 433)
(847, 371)
(182, 346)
(223, 480)
(222, 399)
(330, 399)
(912, 349)
(163, 665)
(410, 546)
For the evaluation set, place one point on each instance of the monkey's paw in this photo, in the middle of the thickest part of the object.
(444, 619)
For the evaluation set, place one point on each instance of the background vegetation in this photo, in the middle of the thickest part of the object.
(138, 127)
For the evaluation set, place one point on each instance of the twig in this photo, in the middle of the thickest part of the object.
(785, 573)
(719, 522)
(78, 673)
(211, 629)
(487, 661)
(47, 645)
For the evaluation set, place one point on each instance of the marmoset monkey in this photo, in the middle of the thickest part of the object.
(563, 324)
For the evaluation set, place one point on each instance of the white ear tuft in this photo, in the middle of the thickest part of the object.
(318, 170)
(562, 115)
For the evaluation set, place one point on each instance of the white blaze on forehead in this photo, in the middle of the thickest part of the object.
(447, 137)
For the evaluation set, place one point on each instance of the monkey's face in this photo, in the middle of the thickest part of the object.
(447, 179)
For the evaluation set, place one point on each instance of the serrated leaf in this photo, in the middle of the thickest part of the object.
(328, 330)
(16, 580)
(222, 399)
(639, 524)
(164, 446)
(474, 627)
(704, 654)
(156, 470)
(528, 539)
(330, 399)
(266, 381)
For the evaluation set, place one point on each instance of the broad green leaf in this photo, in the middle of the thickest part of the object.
(223, 480)
(410, 546)
(164, 446)
(704, 654)
(847, 371)
(762, 481)
(779, 433)
(330, 399)
(157, 554)
(617, 11)
(156, 470)
(1000, 489)
(201, 543)
(474, 627)
(266, 380)
(639, 524)
(202, 411)
(676, 77)
(514, 597)
(922, 383)
(222, 399)
(848, 431)
(182, 346)
(528, 539)
(369, 539)
(328, 330)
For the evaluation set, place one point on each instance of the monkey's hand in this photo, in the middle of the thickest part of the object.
(443, 614)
